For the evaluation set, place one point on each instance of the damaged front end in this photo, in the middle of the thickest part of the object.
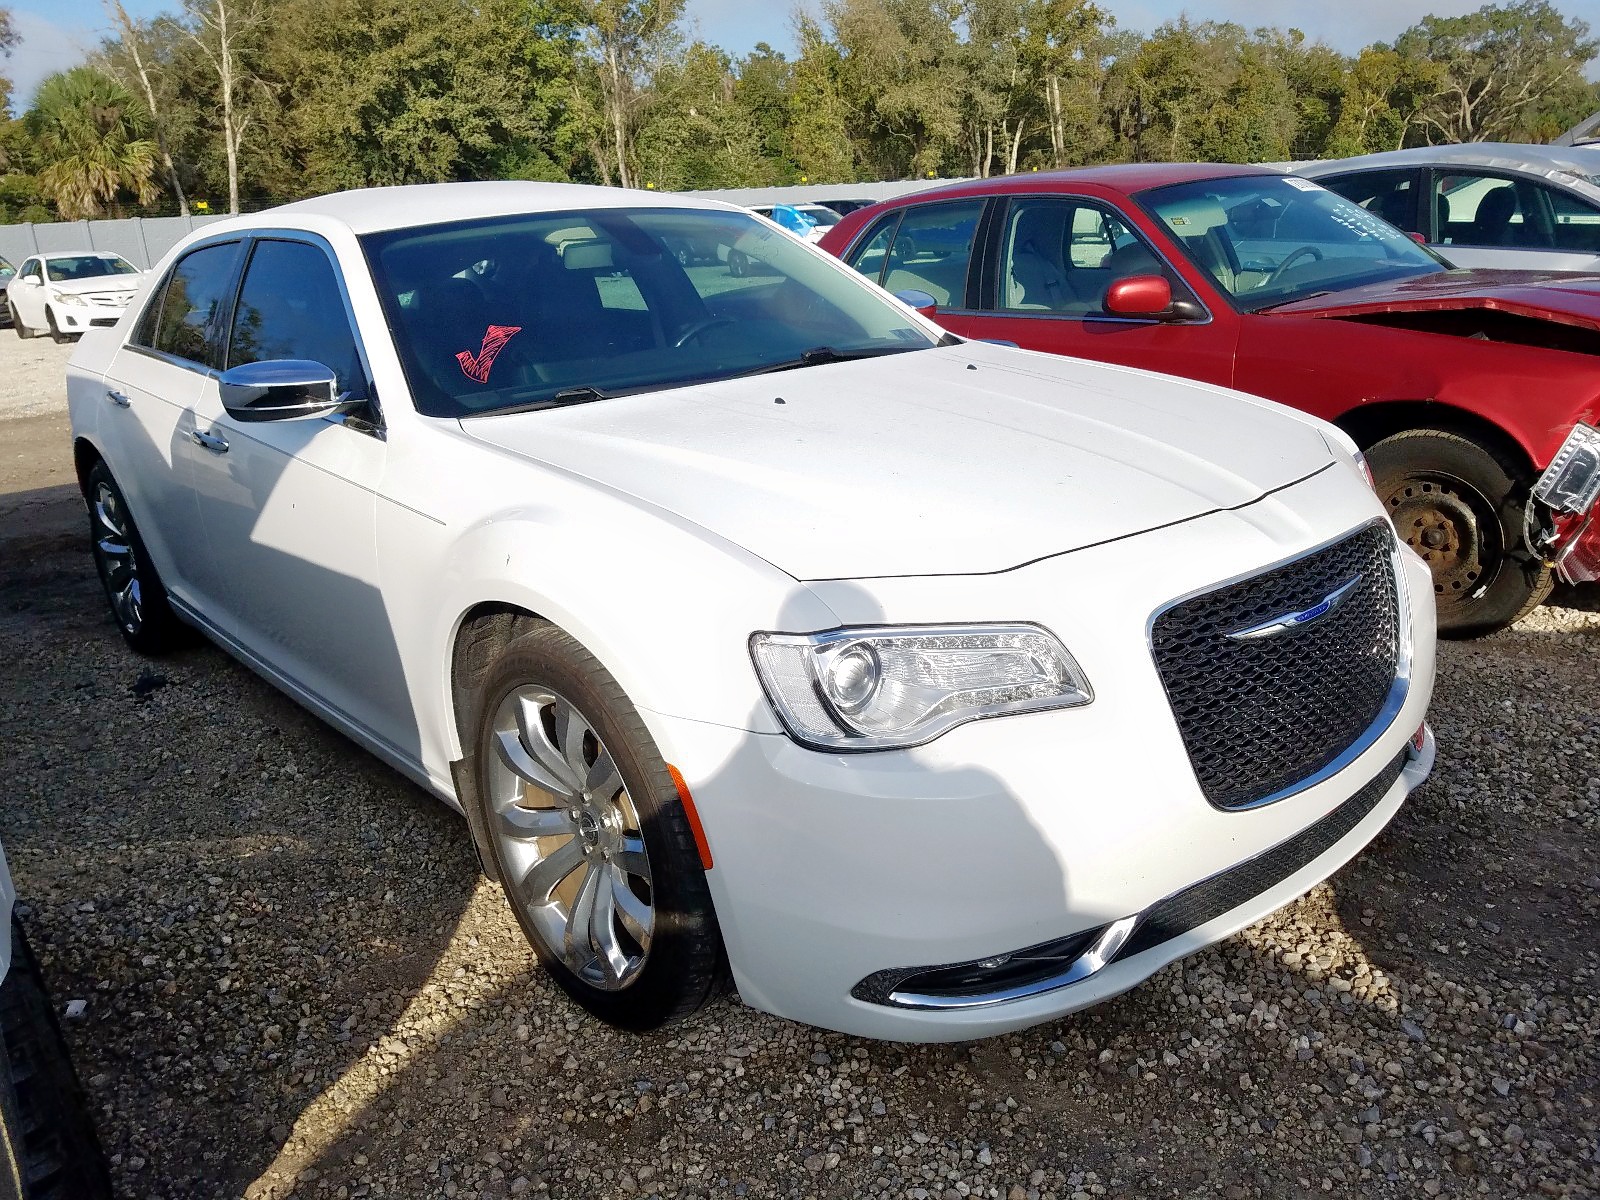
(1563, 524)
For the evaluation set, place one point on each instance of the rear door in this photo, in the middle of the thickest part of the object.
(929, 248)
(150, 390)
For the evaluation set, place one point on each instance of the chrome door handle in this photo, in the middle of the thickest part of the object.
(210, 441)
(118, 398)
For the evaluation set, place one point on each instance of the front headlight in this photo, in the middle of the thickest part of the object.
(883, 688)
(67, 298)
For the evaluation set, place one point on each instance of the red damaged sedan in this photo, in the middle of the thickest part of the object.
(1473, 394)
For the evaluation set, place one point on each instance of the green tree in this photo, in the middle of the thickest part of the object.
(696, 134)
(8, 39)
(901, 76)
(381, 92)
(1499, 66)
(135, 59)
(818, 133)
(629, 43)
(91, 139)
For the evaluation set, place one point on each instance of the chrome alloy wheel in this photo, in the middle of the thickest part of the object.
(113, 547)
(568, 838)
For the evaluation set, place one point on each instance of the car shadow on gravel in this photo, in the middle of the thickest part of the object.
(238, 892)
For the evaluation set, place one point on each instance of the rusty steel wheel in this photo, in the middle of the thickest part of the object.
(1459, 506)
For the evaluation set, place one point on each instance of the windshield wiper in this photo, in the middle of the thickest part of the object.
(582, 394)
(1294, 300)
(819, 355)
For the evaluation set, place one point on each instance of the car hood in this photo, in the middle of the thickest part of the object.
(1544, 295)
(100, 283)
(958, 460)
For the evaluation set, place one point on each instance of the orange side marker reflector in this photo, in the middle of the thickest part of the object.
(695, 827)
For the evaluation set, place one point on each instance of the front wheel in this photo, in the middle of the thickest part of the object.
(56, 335)
(1460, 506)
(589, 836)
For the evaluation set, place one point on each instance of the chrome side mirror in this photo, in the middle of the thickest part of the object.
(283, 389)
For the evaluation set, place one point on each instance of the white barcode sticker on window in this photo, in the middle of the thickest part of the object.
(1305, 185)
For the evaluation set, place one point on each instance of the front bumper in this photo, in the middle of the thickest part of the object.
(75, 318)
(1009, 833)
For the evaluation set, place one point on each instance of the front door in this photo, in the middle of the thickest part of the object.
(1055, 258)
(290, 506)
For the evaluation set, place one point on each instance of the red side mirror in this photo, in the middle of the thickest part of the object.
(1139, 296)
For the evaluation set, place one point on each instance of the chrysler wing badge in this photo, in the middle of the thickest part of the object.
(1295, 621)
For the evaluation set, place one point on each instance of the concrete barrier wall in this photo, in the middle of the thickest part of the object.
(143, 240)
(140, 240)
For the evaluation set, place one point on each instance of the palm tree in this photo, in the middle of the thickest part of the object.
(90, 134)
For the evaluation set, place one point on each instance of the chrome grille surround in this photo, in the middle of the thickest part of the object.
(1265, 717)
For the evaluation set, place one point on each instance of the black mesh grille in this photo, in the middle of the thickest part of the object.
(1222, 893)
(1258, 716)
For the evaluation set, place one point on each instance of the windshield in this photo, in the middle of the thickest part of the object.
(6, 269)
(1269, 240)
(87, 266)
(542, 309)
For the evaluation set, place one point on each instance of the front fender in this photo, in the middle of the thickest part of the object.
(667, 612)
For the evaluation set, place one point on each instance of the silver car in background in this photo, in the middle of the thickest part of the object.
(1486, 204)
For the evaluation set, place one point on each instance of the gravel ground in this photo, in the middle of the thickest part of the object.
(297, 985)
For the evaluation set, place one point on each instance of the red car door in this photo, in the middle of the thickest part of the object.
(1035, 269)
(1048, 264)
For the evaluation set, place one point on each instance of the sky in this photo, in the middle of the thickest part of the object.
(56, 34)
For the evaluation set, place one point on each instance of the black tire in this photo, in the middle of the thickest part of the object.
(56, 335)
(48, 1148)
(685, 257)
(1459, 504)
(684, 965)
(736, 263)
(16, 323)
(150, 627)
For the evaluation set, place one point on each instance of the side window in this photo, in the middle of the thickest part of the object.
(931, 250)
(1392, 195)
(1060, 255)
(290, 306)
(186, 306)
(869, 255)
(1480, 210)
(1576, 225)
(31, 270)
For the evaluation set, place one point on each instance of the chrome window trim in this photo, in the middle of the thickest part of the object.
(1399, 688)
(246, 240)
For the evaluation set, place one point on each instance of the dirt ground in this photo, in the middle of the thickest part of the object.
(298, 985)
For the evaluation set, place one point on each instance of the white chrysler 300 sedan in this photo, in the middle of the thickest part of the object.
(930, 688)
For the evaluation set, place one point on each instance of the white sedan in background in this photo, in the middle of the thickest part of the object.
(65, 294)
(931, 688)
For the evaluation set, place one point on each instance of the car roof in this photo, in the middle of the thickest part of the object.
(1548, 161)
(49, 254)
(1127, 178)
(371, 210)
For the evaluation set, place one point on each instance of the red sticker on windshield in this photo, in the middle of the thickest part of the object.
(476, 366)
